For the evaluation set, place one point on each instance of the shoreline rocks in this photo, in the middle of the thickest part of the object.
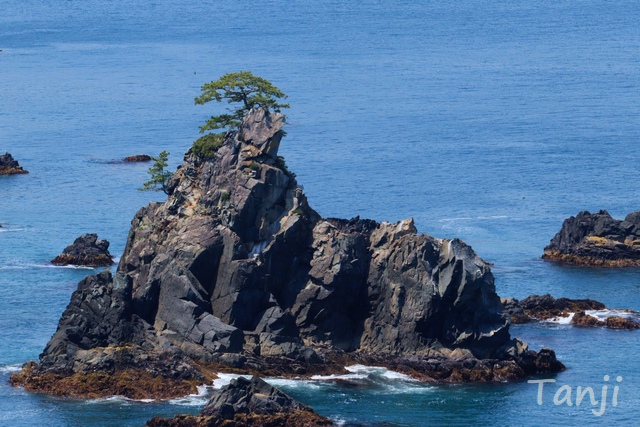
(545, 307)
(9, 166)
(248, 403)
(138, 158)
(236, 271)
(597, 240)
(87, 251)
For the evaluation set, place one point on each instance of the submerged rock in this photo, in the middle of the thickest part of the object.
(9, 166)
(236, 271)
(138, 158)
(86, 250)
(597, 240)
(248, 403)
(545, 307)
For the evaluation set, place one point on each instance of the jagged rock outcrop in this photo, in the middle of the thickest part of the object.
(138, 158)
(597, 240)
(86, 250)
(10, 166)
(236, 271)
(248, 403)
(546, 307)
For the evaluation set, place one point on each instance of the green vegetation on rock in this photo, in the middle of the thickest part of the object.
(206, 146)
(159, 174)
(241, 88)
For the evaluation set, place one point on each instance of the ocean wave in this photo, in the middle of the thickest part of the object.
(8, 229)
(225, 379)
(29, 266)
(378, 379)
(561, 320)
(603, 314)
(8, 369)
(197, 399)
(117, 399)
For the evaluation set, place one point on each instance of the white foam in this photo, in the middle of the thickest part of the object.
(603, 314)
(10, 368)
(225, 379)
(561, 320)
(384, 372)
(198, 399)
(110, 399)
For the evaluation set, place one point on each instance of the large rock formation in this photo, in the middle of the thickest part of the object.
(597, 240)
(248, 403)
(236, 271)
(9, 166)
(86, 250)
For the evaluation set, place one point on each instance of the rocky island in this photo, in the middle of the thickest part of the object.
(248, 403)
(580, 312)
(10, 166)
(235, 272)
(138, 158)
(597, 240)
(87, 251)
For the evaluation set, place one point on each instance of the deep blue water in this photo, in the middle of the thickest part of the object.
(488, 121)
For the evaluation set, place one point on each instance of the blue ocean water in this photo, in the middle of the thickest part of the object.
(488, 121)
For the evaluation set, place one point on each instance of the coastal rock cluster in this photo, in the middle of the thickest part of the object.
(248, 403)
(10, 166)
(236, 272)
(545, 307)
(86, 250)
(597, 240)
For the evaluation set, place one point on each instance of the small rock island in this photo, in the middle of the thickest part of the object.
(10, 166)
(87, 251)
(248, 403)
(578, 312)
(597, 240)
(235, 272)
(137, 158)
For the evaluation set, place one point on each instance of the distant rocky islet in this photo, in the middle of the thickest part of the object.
(10, 166)
(597, 240)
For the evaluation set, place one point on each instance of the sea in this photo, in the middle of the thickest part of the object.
(490, 121)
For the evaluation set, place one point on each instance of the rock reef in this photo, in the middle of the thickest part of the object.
(248, 403)
(597, 240)
(9, 166)
(236, 272)
(138, 158)
(576, 311)
(86, 250)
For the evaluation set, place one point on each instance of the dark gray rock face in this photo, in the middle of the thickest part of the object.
(236, 268)
(598, 240)
(250, 396)
(9, 166)
(86, 250)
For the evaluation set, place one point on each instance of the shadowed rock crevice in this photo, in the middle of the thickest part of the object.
(236, 270)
